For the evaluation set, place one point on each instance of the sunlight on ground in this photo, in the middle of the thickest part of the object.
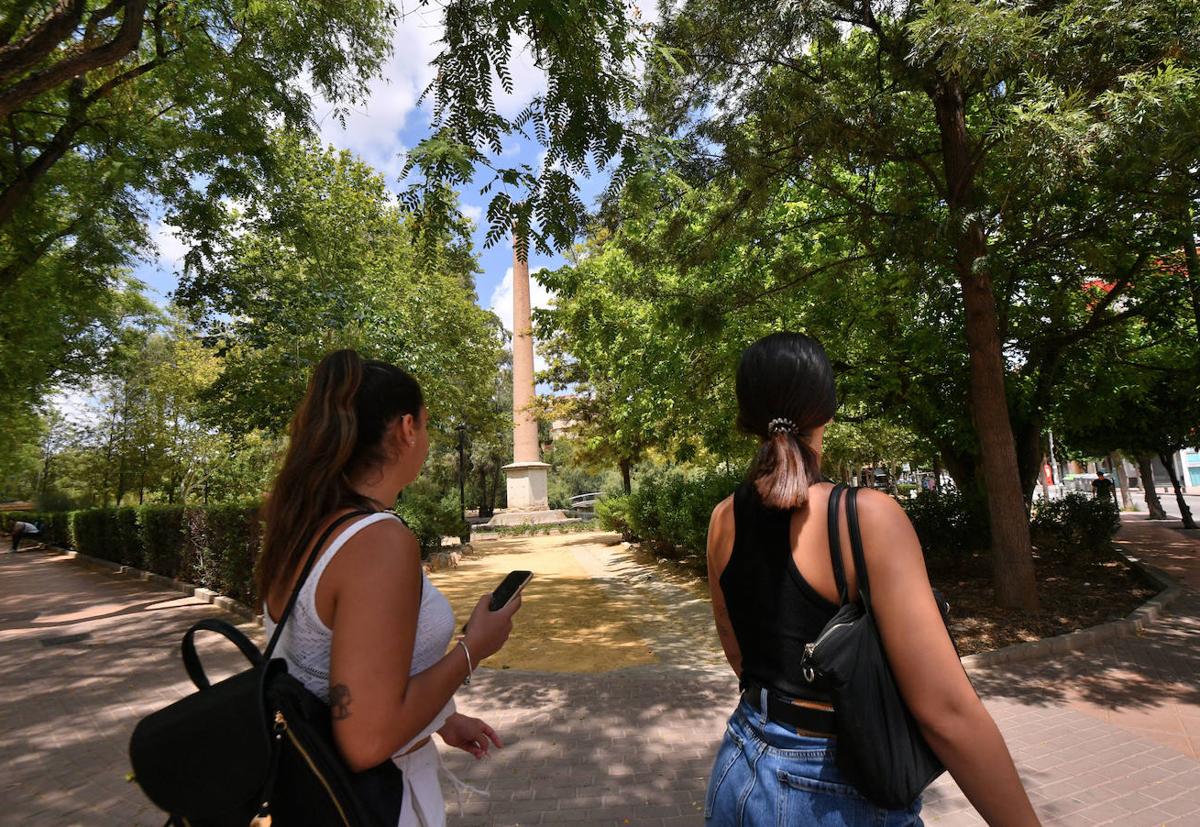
(567, 623)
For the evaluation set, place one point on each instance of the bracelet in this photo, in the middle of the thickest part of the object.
(470, 666)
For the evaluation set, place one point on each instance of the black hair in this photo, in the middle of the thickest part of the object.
(785, 389)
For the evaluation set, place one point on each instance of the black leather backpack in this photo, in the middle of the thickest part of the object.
(256, 748)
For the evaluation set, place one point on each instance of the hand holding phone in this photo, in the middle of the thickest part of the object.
(491, 622)
(508, 589)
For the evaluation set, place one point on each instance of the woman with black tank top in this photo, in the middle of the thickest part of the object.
(773, 589)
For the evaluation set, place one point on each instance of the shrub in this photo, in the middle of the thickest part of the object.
(948, 523)
(55, 525)
(431, 515)
(613, 513)
(8, 518)
(1075, 523)
(93, 533)
(162, 538)
(59, 528)
(904, 489)
(670, 510)
(126, 537)
(234, 535)
(220, 548)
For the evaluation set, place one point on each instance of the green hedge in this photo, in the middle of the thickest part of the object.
(211, 546)
(669, 511)
(163, 539)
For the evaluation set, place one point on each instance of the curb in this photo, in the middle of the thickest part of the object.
(227, 604)
(1141, 617)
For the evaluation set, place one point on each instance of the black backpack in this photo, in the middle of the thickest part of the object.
(256, 748)
(880, 748)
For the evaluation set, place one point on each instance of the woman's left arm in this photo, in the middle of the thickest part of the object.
(720, 548)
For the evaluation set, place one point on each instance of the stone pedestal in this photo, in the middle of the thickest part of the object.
(527, 484)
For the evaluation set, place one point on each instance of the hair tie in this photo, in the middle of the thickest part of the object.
(781, 425)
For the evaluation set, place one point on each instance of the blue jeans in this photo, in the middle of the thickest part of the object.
(766, 775)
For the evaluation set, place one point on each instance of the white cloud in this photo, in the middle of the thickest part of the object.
(372, 127)
(171, 249)
(80, 406)
(527, 80)
(502, 305)
(473, 212)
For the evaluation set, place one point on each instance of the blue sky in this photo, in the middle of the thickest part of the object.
(382, 129)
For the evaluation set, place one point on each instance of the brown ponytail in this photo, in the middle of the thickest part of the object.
(785, 389)
(336, 431)
(784, 468)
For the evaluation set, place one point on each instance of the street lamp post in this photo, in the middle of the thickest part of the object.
(462, 479)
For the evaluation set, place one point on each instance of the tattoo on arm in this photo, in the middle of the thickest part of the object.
(339, 701)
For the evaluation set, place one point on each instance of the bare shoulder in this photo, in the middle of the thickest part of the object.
(885, 525)
(880, 509)
(720, 524)
(720, 529)
(722, 513)
(384, 547)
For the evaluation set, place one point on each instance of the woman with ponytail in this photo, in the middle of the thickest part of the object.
(773, 590)
(369, 633)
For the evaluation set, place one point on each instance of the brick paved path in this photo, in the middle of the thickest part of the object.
(84, 654)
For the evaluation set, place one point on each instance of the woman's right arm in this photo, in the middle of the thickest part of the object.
(928, 671)
(376, 706)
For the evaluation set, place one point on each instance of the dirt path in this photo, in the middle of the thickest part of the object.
(591, 607)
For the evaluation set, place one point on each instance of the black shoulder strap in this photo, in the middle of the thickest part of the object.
(856, 548)
(308, 564)
(835, 543)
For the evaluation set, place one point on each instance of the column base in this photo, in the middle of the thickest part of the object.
(527, 484)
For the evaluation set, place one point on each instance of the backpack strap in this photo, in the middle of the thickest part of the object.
(856, 549)
(835, 544)
(308, 564)
(191, 661)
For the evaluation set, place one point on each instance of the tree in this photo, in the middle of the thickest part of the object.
(1139, 390)
(111, 109)
(323, 258)
(590, 52)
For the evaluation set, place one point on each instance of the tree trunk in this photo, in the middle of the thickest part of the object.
(1192, 259)
(937, 474)
(78, 62)
(626, 476)
(1169, 461)
(495, 495)
(1012, 551)
(487, 506)
(121, 480)
(1146, 468)
(1030, 456)
(1122, 480)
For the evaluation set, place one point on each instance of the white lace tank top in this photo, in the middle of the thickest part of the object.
(306, 640)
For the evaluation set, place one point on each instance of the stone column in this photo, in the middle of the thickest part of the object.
(527, 477)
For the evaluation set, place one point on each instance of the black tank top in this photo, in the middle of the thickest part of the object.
(773, 609)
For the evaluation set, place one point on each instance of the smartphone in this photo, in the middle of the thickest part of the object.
(508, 589)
